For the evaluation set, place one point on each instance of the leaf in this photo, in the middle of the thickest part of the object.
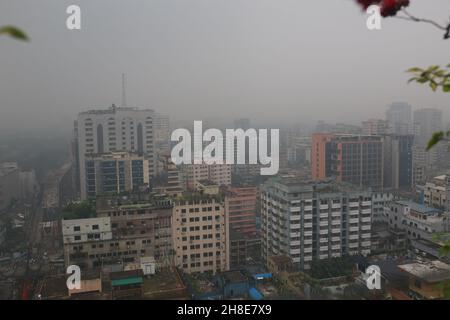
(414, 70)
(446, 88)
(14, 33)
(437, 136)
(433, 85)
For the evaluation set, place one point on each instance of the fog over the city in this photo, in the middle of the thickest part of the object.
(283, 60)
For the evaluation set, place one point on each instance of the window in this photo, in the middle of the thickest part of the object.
(77, 238)
(95, 227)
(76, 228)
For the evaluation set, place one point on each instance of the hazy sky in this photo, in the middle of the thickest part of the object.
(292, 60)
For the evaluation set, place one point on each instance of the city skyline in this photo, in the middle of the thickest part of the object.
(214, 59)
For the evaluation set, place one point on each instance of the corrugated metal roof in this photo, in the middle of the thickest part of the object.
(127, 281)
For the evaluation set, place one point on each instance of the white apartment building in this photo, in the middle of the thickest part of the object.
(200, 232)
(308, 220)
(436, 192)
(418, 221)
(114, 129)
(380, 204)
(84, 230)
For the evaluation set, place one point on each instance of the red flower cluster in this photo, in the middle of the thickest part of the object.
(387, 7)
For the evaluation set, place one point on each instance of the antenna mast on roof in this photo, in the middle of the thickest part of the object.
(124, 97)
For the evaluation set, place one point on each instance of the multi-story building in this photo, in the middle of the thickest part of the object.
(436, 192)
(355, 159)
(375, 127)
(398, 161)
(426, 122)
(114, 129)
(398, 116)
(115, 172)
(314, 220)
(200, 233)
(380, 203)
(220, 174)
(9, 183)
(125, 231)
(240, 204)
(418, 221)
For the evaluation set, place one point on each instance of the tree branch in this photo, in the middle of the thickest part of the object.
(410, 17)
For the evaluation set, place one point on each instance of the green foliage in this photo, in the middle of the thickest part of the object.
(436, 138)
(79, 210)
(13, 32)
(435, 76)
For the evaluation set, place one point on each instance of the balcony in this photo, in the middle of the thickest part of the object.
(366, 219)
(308, 225)
(365, 227)
(323, 223)
(336, 214)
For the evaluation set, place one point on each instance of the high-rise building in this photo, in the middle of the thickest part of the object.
(240, 204)
(314, 220)
(426, 122)
(115, 172)
(375, 127)
(356, 159)
(200, 233)
(398, 161)
(398, 116)
(114, 129)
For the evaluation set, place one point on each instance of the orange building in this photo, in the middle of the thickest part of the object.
(356, 159)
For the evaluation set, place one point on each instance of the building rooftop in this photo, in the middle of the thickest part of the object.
(111, 110)
(419, 207)
(233, 276)
(432, 272)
